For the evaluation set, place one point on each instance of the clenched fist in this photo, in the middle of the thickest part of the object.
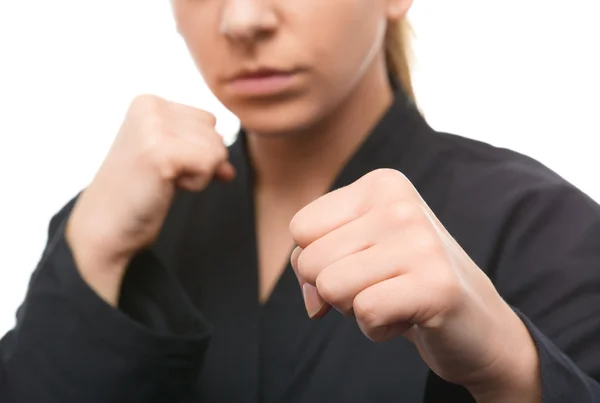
(161, 146)
(375, 251)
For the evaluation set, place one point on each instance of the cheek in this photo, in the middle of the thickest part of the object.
(207, 56)
(344, 41)
(198, 26)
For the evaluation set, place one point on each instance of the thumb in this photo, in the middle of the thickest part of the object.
(316, 307)
(225, 172)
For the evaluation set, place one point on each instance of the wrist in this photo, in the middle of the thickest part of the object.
(101, 270)
(517, 377)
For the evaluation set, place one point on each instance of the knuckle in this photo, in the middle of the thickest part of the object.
(428, 251)
(389, 178)
(426, 242)
(207, 117)
(387, 174)
(299, 228)
(403, 213)
(146, 102)
(146, 116)
(220, 153)
(213, 142)
(329, 289)
(390, 185)
(365, 311)
(204, 166)
(208, 157)
(152, 147)
(447, 285)
(307, 267)
(156, 155)
(155, 125)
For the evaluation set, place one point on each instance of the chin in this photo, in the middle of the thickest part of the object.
(279, 118)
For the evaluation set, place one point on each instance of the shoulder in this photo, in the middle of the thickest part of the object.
(494, 175)
(475, 159)
(495, 199)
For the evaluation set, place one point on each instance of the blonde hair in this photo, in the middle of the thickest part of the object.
(398, 55)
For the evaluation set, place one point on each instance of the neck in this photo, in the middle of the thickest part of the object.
(309, 162)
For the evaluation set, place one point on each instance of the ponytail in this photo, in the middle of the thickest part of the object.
(398, 55)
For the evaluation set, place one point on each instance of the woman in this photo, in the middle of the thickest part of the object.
(472, 270)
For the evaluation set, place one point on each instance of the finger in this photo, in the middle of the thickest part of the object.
(197, 115)
(210, 140)
(389, 332)
(409, 334)
(294, 261)
(340, 282)
(200, 132)
(316, 307)
(389, 308)
(225, 172)
(196, 125)
(347, 240)
(192, 164)
(346, 204)
(329, 212)
(376, 226)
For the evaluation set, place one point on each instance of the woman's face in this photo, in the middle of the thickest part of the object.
(282, 65)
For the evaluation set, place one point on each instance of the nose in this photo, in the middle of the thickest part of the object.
(247, 20)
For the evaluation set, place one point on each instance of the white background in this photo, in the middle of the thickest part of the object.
(522, 74)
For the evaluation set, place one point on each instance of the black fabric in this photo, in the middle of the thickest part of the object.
(189, 327)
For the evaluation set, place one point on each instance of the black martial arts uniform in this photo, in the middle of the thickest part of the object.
(190, 329)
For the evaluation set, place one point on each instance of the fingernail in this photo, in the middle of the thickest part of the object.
(294, 259)
(312, 300)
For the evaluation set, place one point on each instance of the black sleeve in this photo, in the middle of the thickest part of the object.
(549, 270)
(70, 346)
(545, 263)
(562, 379)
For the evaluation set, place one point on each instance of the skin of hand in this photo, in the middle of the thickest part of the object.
(374, 250)
(160, 147)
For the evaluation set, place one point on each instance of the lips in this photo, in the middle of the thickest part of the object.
(262, 82)
(260, 74)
